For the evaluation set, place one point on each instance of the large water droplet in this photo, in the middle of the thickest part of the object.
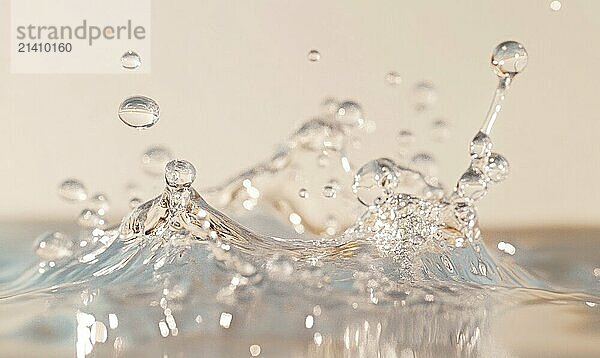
(376, 179)
(472, 185)
(131, 60)
(481, 146)
(349, 114)
(424, 94)
(139, 112)
(509, 58)
(155, 159)
(54, 246)
(314, 56)
(180, 173)
(497, 167)
(72, 190)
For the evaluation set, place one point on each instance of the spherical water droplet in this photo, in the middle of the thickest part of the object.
(440, 130)
(72, 190)
(349, 114)
(303, 193)
(155, 159)
(555, 5)
(424, 94)
(139, 112)
(131, 60)
(374, 180)
(180, 173)
(481, 146)
(497, 167)
(314, 56)
(405, 137)
(100, 203)
(424, 164)
(472, 185)
(393, 78)
(509, 58)
(54, 246)
(255, 350)
(90, 219)
(329, 191)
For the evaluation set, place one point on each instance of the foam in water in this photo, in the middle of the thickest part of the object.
(297, 247)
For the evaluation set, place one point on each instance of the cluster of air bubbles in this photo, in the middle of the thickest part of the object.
(424, 95)
(155, 159)
(139, 112)
(314, 55)
(54, 246)
(131, 60)
(393, 78)
(509, 58)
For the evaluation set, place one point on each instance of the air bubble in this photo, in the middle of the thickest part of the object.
(139, 112)
(131, 60)
(180, 173)
(155, 159)
(72, 190)
(509, 58)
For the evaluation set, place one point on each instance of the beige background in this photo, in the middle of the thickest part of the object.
(232, 80)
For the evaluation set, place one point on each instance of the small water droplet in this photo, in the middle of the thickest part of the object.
(424, 94)
(139, 112)
(255, 350)
(440, 130)
(54, 246)
(131, 60)
(155, 159)
(374, 180)
(303, 193)
(72, 190)
(481, 146)
(509, 58)
(314, 56)
(497, 167)
(555, 5)
(180, 173)
(329, 191)
(393, 78)
(349, 114)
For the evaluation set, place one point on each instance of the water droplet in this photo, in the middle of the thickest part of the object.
(72, 190)
(255, 350)
(349, 114)
(131, 60)
(393, 78)
(440, 130)
(555, 5)
(405, 137)
(303, 193)
(155, 159)
(100, 203)
(374, 180)
(509, 58)
(472, 185)
(54, 246)
(424, 94)
(314, 56)
(507, 248)
(329, 191)
(180, 173)
(139, 112)
(90, 218)
(497, 167)
(481, 146)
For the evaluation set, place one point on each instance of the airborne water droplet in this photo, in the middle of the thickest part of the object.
(303, 193)
(440, 130)
(131, 60)
(329, 191)
(424, 95)
(72, 190)
(393, 78)
(349, 114)
(472, 185)
(53, 246)
(376, 179)
(509, 58)
(139, 112)
(314, 56)
(497, 167)
(405, 137)
(155, 159)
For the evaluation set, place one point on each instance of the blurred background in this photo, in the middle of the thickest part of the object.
(233, 80)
